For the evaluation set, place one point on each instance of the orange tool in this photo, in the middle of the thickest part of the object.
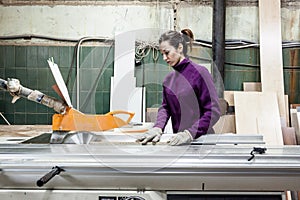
(73, 120)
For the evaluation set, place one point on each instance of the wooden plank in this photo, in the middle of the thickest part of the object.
(124, 56)
(252, 86)
(137, 104)
(289, 136)
(294, 106)
(258, 113)
(228, 96)
(271, 50)
(295, 123)
(226, 124)
(287, 113)
(124, 93)
(298, 119)
(24, 130)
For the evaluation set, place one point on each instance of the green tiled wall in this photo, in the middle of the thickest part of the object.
(236, 75)
(29, 65)
(292, 76)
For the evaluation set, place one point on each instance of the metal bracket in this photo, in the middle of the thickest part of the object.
(259, 150)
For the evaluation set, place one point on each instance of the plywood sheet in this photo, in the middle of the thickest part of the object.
(226, 124)
(252, 86)
(24, 130)
(258, 113)
(289, 136)
(295, 123)
(271, 50)
(287, 113)
(124, 94)
(228, 96)
(298, 119)
(137, 104)
(124, 58)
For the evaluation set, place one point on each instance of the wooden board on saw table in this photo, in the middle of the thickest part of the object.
(23, 130)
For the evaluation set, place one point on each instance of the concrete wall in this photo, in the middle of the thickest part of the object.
(105, 18)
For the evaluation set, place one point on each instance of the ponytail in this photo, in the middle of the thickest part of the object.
(188, 37)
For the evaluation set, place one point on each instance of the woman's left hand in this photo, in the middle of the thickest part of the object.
(181, 138)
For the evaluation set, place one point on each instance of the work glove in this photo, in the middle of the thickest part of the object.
(152, 135)
(181, 138)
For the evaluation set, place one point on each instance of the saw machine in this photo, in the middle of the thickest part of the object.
(66, 119)
(114, 167)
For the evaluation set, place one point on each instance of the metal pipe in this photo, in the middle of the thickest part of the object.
(4, 119)
(78, 66)
(14, 87)
(218, 42)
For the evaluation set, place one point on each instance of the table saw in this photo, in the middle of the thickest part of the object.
(95, 157)
(114, 166)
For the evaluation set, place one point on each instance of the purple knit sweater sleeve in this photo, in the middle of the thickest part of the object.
(163, 114)
(209, 104)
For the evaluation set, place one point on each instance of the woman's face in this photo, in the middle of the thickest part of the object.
(170, 54)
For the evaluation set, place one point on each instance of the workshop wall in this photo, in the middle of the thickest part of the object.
(76, 19)
(28, 64)
(25, 59)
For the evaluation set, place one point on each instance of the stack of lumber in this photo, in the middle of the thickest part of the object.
(262, 108)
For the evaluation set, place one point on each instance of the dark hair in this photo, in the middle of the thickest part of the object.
(175, 38)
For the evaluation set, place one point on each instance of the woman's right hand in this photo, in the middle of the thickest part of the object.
(152, 135)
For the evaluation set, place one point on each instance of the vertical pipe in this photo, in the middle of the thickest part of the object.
(218, 43)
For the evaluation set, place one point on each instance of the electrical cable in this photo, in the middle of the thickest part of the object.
(143, 90)
(291, 67)
(76, 49)
(241, 64)
(84, 39)
(72, 63)
(227, 47)
(143, 49)
(134, 198)
(242, 44)
(33, 36)
(229, 44)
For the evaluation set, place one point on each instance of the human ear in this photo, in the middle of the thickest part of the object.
(180, 48)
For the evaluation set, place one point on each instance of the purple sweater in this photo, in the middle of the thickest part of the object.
(190, 99)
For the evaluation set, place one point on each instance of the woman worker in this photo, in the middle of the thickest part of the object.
(189, 94)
